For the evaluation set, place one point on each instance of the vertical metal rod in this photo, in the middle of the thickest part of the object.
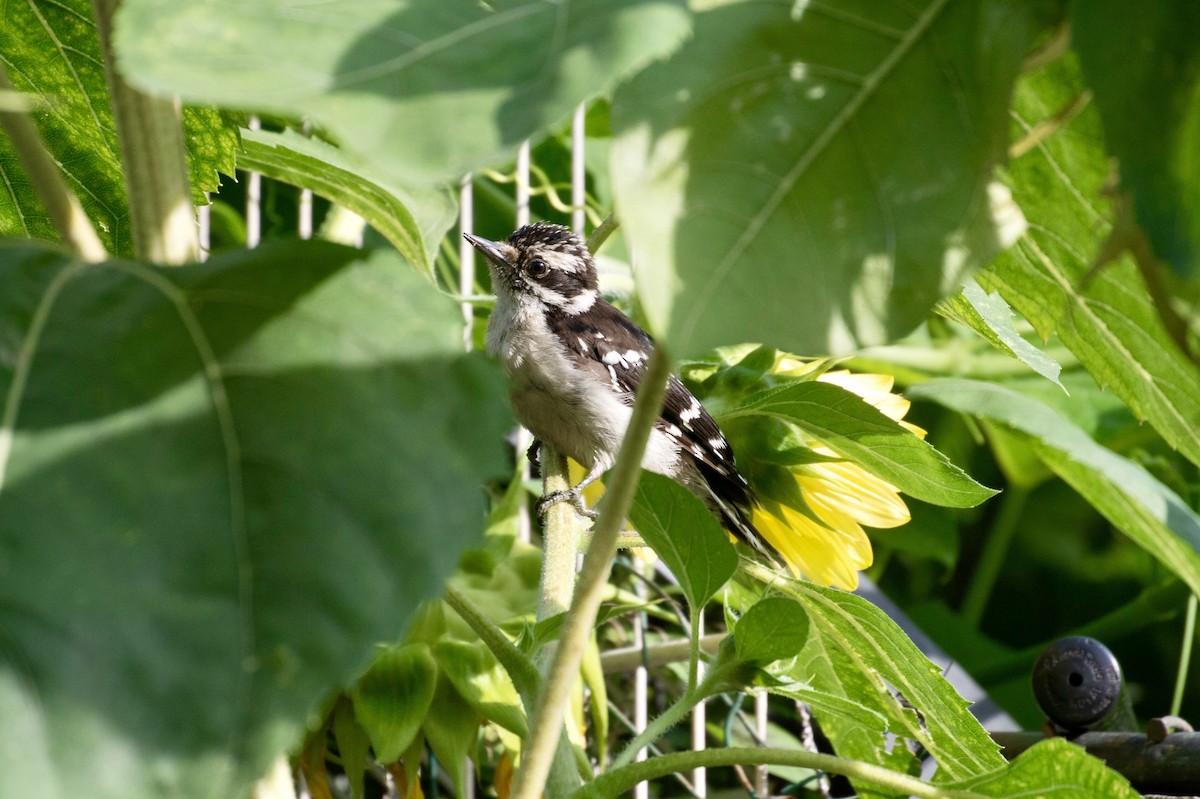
(699, 734)
(524, 437)
(760, 730)
(641, 682)
(578, 170)
(304, 210)
(466, 256)
(204, 231)
(253, 199)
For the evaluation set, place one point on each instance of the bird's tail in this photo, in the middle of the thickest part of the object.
(737, 521)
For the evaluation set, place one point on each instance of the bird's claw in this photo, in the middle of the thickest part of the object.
(572, 495)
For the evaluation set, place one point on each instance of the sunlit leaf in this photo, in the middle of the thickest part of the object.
(1108, 320)
(413, 220)
(855, 429)
(991, 317)
(780, 179)
(1055, 769)
(1130, 497)
(51, 52)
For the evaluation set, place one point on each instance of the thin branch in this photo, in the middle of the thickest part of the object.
(545, 724)
(619, 780)
(60, 203)
(521, 670)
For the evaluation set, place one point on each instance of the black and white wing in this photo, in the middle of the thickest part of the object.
(606, 342)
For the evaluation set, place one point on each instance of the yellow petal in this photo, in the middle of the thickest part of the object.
(823, 555)
(852, 490)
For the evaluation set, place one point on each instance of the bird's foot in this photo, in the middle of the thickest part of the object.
(572, 495)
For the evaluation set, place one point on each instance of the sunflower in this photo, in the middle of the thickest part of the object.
(817, 524)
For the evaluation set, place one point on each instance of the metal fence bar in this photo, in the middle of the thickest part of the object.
(466, 256)
(699, 732)
(578, 170)
(641, 683)
(524, 438)
(253, 199)
(760, 730)
(204, 230)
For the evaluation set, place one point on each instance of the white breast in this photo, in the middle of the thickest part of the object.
(567, 408)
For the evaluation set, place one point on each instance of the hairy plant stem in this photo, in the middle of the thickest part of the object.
(520, 669)
(559, 546)
(671, 716)
(150, 135)
(619, 780)
(559, 551)
(59, 202)
(545, 724)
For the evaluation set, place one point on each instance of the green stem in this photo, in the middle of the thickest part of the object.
(545, 725)
(670, 717)
(619, 780)
(59, 202)
(1185, 655)
(995, 549)
(521, 670)
(694, 650)
(602, 232)
(559, 547)
(150, 134)
(559, 551)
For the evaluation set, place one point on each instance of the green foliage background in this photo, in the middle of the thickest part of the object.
(231, 492)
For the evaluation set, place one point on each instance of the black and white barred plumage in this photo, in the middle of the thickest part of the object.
(574, 363)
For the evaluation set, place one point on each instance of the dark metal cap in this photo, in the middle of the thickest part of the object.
(1077, 682)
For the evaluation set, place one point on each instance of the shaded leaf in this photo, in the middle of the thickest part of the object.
(686, 535)
(1126, 494)
(857, 653)
(479, 680)
(352, 745)
(451, 730)
(776, 176)
(220, 482)
(858, 431)
(391, 699)
(428, 89)
(413, 220)
(1149, 103)
(51, 51)
(991, 317)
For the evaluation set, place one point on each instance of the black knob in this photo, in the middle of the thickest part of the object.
(1077, 682)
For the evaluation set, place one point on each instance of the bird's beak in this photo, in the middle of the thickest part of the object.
(490, 249)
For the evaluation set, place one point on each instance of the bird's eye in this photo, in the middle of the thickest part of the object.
(538, 269)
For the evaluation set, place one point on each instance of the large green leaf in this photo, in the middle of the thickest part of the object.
(991, 317)
(1108, 320)
(815, 176)
(686, 535)
(224, 483)
(1149, 101)
(857, 655)
(1054, 769)
(1128, 496)
(51, 51)
(856, 430)
(413, 220)
(427, 89)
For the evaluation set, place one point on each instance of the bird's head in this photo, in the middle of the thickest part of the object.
(542, 262)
